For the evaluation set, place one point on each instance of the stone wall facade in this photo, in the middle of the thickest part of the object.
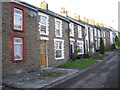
(31, 45)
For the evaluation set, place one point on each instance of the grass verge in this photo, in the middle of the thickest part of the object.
(77, 64)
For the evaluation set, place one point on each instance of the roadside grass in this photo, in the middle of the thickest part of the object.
(78, 64)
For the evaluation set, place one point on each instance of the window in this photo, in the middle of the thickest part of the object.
(43, 24)
(95, 32)
(80, 47)
(72, 46)
(58, 28)
(99, 33)
(18, 48)
(104, 33)
(98, 43)
(79, 32)
(71, 25)
(91, 34)
(59, 49)
(104, 42)
(18, 17)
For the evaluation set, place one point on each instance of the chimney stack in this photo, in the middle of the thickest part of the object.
(92, 22)
(44, 5)
(97, 24)
(86, 20)
(76, 17)
(63, 12)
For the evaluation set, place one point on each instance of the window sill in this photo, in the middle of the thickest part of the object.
(44, 34)
(58, 36)
(72, 35)
(59, 58)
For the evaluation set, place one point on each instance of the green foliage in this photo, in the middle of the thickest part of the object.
(114, 46)
(73, 56)
(102, 49)
(32, 70)
(85, 55)
(91, 54)
(116, 39)
(77, 64)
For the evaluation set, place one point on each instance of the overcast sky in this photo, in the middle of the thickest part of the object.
(103, 11)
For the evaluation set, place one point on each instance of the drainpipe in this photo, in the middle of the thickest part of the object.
(68, 31)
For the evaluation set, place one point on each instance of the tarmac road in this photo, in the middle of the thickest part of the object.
(104, 75)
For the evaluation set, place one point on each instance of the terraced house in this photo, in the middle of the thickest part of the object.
(37, 37)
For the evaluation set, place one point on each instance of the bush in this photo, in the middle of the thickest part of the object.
(73, 56)
(90, 54)
(116, 39)
(85, 55)
(114, 46)
(79, 56)
(97, 55)
(102, 49)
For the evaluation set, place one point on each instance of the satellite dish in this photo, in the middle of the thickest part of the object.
(33, 14)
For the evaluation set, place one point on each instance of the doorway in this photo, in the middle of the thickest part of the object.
(43, 60)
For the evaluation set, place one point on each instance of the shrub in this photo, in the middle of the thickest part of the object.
(102, 49)
(73, 56)
(85, 55)
(79, 56)
(114, 46)
(116, 39)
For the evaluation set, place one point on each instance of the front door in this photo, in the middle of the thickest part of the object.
(43, 61)
(71, 49)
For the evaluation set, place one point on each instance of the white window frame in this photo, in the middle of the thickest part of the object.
(104, 33)
(104, 42)
(18, 15)
(47, 24)
(57, 20)
(99, 33)
(91, 34)
(79, 31)
(95, 32)
(81, 45)
(71, 25)
(62, 41)
(98, 43)
(72, 42)
(18, 43)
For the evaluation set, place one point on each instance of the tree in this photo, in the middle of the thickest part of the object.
(102, 49)
(116, 38)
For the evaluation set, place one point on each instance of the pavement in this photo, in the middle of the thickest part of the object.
(49, 82)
